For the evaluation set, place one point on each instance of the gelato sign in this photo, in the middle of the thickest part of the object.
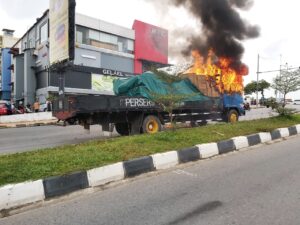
(59, 30)
(103, 83)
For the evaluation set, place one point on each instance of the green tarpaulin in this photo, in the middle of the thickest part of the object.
(148, 83)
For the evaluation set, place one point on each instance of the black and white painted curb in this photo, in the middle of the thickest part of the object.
(18, 195)
(20, 125)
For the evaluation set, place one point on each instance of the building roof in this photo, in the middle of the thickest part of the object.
(90, 22)
(104, 26)
(8, 30)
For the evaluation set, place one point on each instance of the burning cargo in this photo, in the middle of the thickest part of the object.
(214, 76)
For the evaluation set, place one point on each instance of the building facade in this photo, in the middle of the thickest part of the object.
(7, 40)
(102, 51)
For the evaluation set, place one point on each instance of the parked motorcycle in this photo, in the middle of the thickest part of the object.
(247, 106)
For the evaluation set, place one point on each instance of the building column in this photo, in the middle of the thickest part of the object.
(29, 77)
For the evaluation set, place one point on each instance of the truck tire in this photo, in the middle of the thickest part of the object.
(232, 116)
(151, 125)
(71, 121)
(122, 129)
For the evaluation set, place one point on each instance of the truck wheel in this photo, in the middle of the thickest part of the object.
(71, 121)
(151, 125)
(232, 116)
(122, 129)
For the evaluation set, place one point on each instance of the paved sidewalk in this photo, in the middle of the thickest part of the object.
(27, 120)
(28, 124)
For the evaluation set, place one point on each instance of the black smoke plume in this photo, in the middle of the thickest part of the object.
(222, 26)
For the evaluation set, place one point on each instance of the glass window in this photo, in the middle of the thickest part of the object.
(82, 35)
(104, 37)
(44, 33)
(103, 40)
(95, 35)
(79, 37)
(108, 38)
(130, 46)
(120, 47)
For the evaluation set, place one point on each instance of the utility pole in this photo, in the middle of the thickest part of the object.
(279, 76)
(257, 73)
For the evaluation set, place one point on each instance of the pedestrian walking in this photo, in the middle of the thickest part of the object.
(49, 106)
(36, 106)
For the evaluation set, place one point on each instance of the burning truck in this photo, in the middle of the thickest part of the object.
(213, 90)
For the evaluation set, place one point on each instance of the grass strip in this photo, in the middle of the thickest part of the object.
(35, 165)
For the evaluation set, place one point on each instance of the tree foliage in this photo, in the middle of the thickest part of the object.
(166, 77)
(169, 102)
(287, 82)
(252, 87)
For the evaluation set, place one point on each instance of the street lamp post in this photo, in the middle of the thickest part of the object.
(279, 76)
(257, 79)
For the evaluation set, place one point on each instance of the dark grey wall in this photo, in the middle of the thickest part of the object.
(42, 80)
(73, 79)
(97, 59)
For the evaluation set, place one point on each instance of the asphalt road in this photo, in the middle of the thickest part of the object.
(258, 186)
(31, 138)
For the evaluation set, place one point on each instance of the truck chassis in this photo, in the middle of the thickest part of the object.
(135, 115)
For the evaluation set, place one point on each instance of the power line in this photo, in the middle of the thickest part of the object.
(272, 71)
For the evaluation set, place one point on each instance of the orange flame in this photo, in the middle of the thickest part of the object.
(227, 79)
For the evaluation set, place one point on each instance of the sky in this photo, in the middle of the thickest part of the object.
(277, 45)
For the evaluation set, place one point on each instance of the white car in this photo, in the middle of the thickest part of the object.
(43, 107)
(296, 102)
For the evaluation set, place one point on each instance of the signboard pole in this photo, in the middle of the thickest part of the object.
(60, 69)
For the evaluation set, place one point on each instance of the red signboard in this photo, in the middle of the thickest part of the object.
(151, 44)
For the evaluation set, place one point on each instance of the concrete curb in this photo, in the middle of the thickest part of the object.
(165, 160)
(18, 195)
(226, 146)
(188, 155)
(61, 185)
(138, 166)
(240, 142)
(21, 194)
(105, 174)
(265, 137)
(208, 150)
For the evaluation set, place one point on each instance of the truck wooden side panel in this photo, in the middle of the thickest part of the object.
(130, 112)
(95, 104)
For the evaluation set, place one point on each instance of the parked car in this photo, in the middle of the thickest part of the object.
(296, 102)
(43, 107)
(271, 102)
(5, 108)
